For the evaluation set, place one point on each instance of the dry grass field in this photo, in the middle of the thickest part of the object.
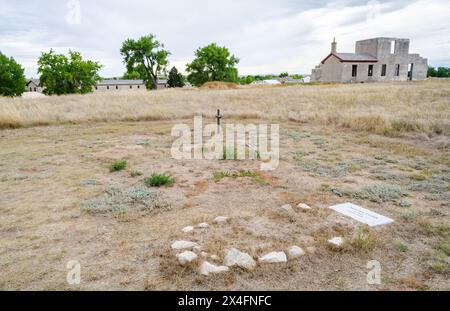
(382, 146)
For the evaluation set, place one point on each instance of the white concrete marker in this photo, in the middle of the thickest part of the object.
(361, 214)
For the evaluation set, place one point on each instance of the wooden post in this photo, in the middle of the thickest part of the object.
(218, 117)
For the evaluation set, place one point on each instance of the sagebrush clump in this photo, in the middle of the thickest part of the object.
(159, 180)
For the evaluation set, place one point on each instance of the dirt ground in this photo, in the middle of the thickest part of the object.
(47, 174)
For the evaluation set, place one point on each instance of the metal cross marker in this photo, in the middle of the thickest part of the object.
(218, 117)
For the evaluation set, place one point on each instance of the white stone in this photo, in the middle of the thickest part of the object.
(304, 206)
(186, 257)
(220, 219)
(240, 259)
(215, 257)
(182, 245)
(336, 242)
(188, 229)
(295, 252)
(203, 225)
(204, 254)
(206, 269)
(274, 257)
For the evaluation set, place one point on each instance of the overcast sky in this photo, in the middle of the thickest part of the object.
(268, 36)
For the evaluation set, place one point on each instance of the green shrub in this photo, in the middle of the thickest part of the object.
(118, 166)
(400, 246)
(135, 174)
(364, 240)
(158, 180)
(380, 193)
(218, 176)
(445, 247)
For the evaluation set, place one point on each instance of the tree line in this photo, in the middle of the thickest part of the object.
(439, 72)
(145, 58)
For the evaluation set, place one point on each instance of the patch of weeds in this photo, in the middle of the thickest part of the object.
(353, 168)
(400, 246)
(159, 180)
(144, 142)
(437, 185)
(381, 157)
(117, 201)
(406, 126)
(325, 187)
(411, 216)
(118, 166)
(136, 174)
(444, 247)
(402, 203)
(364, 240)
(418, 177)
(381, 173)
(436, 212)
(320, 143)
(441, 230)
(338, 170)
(438, 263)
(297, 135)
(300, 154)
(380, 193)
(218, 176)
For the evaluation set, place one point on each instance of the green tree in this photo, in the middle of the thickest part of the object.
(432, 72)
(443, 72)
(12, 78)
(60, 74)
(134, 75)
(246, 80)
(212, 63)
(297, 77)
(176, 79)
(284, 75)
(146, 56)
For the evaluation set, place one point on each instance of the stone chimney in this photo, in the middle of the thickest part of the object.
(334, 46)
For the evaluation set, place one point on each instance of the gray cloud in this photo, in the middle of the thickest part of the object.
(274, 36)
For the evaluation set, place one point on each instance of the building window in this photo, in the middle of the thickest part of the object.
(107, 87)
(370, 71)
(139, 86)
(397, 70)
(96, 87)
(383, 70)
(117, 87)
(131, 86)
(35, 89)
(392, 47)
(354, 70)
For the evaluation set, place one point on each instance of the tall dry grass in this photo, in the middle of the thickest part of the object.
(380, 108)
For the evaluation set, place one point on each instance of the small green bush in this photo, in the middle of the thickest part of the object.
(380, 193)
(159, 180)
(118, 166)
(400, 246)
(135, 174)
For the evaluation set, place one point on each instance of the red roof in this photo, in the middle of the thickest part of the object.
(352, 58)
